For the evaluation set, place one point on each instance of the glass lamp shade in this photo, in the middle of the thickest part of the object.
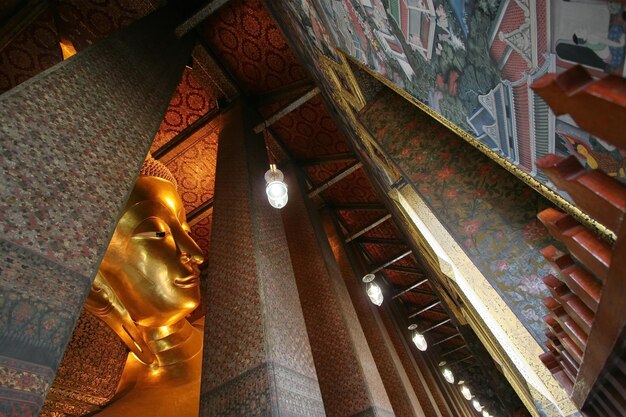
(467, 394)
(477, 405)
(486, 414)
(373, 290)
(418, 339)
(448, 376)
(276, 189)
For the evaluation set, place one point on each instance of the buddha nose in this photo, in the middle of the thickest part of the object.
(189, 250)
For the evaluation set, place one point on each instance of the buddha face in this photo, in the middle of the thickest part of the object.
(152, 262)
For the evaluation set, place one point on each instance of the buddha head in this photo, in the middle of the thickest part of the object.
(149, 276)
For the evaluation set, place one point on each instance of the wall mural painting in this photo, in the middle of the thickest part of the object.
(473, 62)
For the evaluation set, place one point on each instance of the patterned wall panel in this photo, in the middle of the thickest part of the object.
(189, 102)
(309, 131)
(89, 371)
(35, 49)
(248, 40)
(355, 188)
(193, 165)
(490, 213)
(201, 233)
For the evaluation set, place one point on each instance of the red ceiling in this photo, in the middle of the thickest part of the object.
(32, 51)
(249, 42)
(355, 188)
(310, 131)
(189, 102)
(86, 22)
(318, 174)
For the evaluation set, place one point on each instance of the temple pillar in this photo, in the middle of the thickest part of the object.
(349, 377)
(73, 140)
(394, 376)
(257, 359)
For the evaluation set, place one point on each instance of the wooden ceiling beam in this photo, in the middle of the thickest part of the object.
(286, 110)
(391, 261)
(21, 19)
(188, 131)
(335, 179)
(381, 241)
(326, 159)
(438, 342)
(228, 74)
(441, 323)
(200, 15)
(368, 228)
(207, 205)
(282, 93)
(405, 269)
(450, 352)
(410, 288)
(425, 309)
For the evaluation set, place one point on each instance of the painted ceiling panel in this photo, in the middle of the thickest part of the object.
(320, 173)
(32, 51)
(355, 188)
(86, 22)
(386, 230)
(404, 279)
(310, 131)
(249, 41)
(355, 220)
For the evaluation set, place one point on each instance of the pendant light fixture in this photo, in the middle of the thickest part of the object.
(275, 188)
(448, 376)
(476, 405)
(418, 339)
(465, 391)
(373, 290)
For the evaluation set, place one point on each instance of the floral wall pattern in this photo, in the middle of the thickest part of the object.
(490, 213)
(473, 62)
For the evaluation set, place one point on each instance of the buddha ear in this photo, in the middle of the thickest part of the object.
(104, 304)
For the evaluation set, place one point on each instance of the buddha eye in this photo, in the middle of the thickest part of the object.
(151, 228)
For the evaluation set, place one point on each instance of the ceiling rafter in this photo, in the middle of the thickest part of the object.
(232, 79)
(391, 261)
(285, 92)
(200, 15)
(327, 159)
(405, 269)
(285, 110)
(207, 118)
(425, 309)
(446, 339)
(367, 228)
(410, 288)
(380, 241)
(335, 178)
(358, 206)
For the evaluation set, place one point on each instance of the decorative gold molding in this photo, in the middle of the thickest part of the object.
(531, 181)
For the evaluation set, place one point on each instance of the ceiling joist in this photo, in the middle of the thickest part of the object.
(425, 309)
(368, 228)
(335, 179)
(327, 159)
(381, 241)
(286, 110)
(390, 262)
(201, 14)
(410, 288)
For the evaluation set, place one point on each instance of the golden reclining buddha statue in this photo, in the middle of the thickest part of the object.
(147, 284)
